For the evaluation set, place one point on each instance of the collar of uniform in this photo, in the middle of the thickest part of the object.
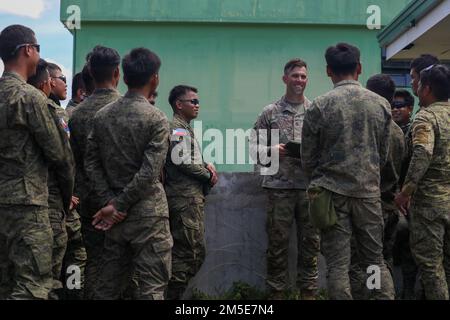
(439, 103)
(15, 75)
(52, 103)
(347, 82)
(135, 96)
(180, 119)
(103, 91)
(287, 106)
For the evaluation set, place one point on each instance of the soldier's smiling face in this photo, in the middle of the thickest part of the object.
(188, 105)
(296, 80)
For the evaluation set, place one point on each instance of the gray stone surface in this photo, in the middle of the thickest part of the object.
(236, 239)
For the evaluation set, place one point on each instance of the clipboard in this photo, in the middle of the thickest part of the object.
(293, 149)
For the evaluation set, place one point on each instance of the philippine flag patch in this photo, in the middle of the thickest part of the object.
(180, 132)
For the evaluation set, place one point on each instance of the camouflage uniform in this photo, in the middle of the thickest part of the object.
(70, 107)
(288, 202)
(56, 211)
(80, 125)
(345, 143)
(75, 254)
(126, 151)
(29, 143)
(389, 186)
(184, 185)
(428, 181)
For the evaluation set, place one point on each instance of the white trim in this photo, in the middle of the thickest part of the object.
(436, 15)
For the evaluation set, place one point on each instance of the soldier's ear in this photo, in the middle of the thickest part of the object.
(329, 73)
(359, 68)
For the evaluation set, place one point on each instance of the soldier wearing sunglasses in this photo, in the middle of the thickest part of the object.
(30, 143)
(402, 107)
(58, 82)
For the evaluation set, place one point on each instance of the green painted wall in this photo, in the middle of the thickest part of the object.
(237, 66)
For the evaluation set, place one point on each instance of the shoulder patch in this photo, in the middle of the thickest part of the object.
(180, 132)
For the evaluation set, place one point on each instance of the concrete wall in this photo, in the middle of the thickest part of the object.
(236, 239)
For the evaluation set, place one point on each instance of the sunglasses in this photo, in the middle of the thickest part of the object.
(17, 48)
(398, 105)
(62, 78)
(195, 102)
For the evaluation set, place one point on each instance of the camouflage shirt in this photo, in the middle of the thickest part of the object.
(288, 119)
(391, 171)
(126, 152)
(187, 175)
(346, 139)
(29, 143)
(70, 107)
(80, 125)
(428, 176)
(55, 197)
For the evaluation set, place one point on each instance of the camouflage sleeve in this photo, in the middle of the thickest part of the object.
(95, 173)
(260, 141)
(196, 171)
(152, 164)
(78, 159)
(310, 149)
(65, 191)
(54, 147)
(385, 139)
(422, 152)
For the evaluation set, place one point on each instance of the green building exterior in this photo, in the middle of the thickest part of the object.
(234, 51)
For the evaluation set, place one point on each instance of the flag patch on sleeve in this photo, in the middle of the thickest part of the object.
(180, 132)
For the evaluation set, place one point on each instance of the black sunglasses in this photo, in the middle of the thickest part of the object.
(398, 105)
(17, 48)
(62, 78)
(195, 102)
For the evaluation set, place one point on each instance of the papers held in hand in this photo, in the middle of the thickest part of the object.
(293, 149)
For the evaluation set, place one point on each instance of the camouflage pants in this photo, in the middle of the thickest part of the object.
(137, 247)
(284, 207)
(93, 240)
(188, 253)
(75, 254)
(430, 246)
(58, 224)
(362, 218)
(26, 241)
(357, 275)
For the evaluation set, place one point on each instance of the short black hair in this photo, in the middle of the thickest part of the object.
(139, 66)
(177, 92)
(11, 37)
(294, 63)
(424, 61)
(383, 85)
(52, 68)
(438, 79)
(402, 93)
(102, 63)
(342, 59)
(87, 80)
(77, 83)
(41, 74)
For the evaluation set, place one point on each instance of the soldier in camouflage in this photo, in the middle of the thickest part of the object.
(78, 93)
(126, 152)
(286, 190)
(384, 86)
(187, 181)
(30, 143)
(104, 67)
(345, 144)
(41, 80)
(427, 183)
